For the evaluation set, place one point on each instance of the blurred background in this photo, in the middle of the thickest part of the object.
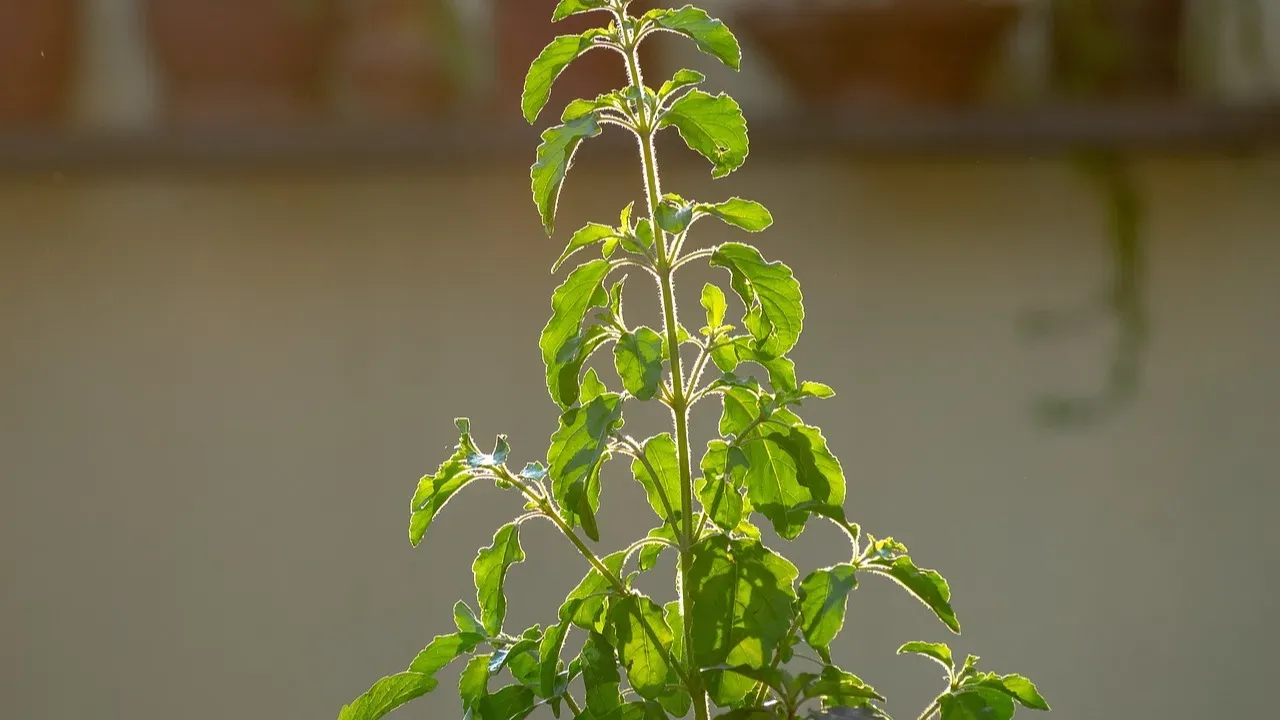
(256, 255)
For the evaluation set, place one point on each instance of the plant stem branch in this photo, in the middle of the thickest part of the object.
(573, 704)
(929, 711)
(763, 689)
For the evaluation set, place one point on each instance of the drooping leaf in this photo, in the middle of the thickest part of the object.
(938, 652)
(712, 126)
(710, 35)
(490, 570)
(600, 675)
(434, 491)
(649, 554)
(823, 597)
(638, 359)
(1015, 686)
(388, 694)
(584, 606)
(845, 686)
(926, 585)
(549, 655)
(663, 491)
(748, 215)
(578, 449)
(775, 308)
(555, 156)
(565, 346)
(791, 474)
(552, 61)
(741, 609)
(714, 303)
(638, 651)
(587, 236)
(444, 649)
(674, 214)
(565, 8)
(681, 80)
(978, 704)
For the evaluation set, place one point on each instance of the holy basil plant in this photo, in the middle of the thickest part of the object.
(746, 637)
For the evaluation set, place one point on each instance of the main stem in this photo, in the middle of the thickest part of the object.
(679, 398)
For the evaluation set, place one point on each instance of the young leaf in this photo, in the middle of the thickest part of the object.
(710, 35)
(1015, 686)
(663, 491)
(790, 474)
(674, 214)
(434, 491)
(592, 387)
(584, 606)
(682, 79)
(555, 155)
(578, 449)
(444, 649)
(490, 570)
(388, 694)
(600, 674)
(745, 214)
(926, 585)
(714, 303)
(552, 61)
(638, 360)
(771, 293)
(589, 235)
(742, 598)
(712, 126)
(640, 653)
(823, 598)
(466, 619)
(980, 704)
(565, 8)
(937, 651)
(565, 346)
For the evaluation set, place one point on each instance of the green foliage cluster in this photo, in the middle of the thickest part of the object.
(734, 641)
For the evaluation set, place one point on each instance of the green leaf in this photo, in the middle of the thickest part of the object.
(592, 387)
(823, 598)
(639, 652)
(712, 126)
(552, 61)
(782, 372)
(638, 359)
(725, 461)
(600, 675)
(663, 491)
(565, 8)
(549, 655)
(937, 651)
(747, 713)
(435, 491)
(473, 683)
(674, 214)
(555, 155)
(637, 710)
(584, 606)
(926, 585)
(710, 35)
(741, 596)
(513, 702)
(790, 475)
(681, 80)
(836, 683)
(748, 215)
(775, 309)
(980, 704)
(587, 236)
(721, 501)
(444, 649)
(490, 570)
(678, 702)
(1015, 686)
(388, 694)
(714, 303)
(741, 407)
(565, 346)
(578, 449)
(466, 620)
(650, 553)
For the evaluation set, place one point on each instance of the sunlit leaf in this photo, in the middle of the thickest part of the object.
(444, 649)
(823, 596)
(565, 346)
(712, 126)
(748, 215)
(552, 61)
(639, 652)
(555, 156)
(435, 491)
(936, 651)
(388, 694)
(926, 585)
(490, 570)
(638, 359)
(710, 35)
(977, 704)
(775, 309)
(587, 236)
(578, 449)
(662, 491)
(600, 675)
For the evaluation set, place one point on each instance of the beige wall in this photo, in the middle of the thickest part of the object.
(216, 395)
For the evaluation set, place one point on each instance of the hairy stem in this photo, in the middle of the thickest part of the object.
(573, 704)
(929, 711)
(679, 402)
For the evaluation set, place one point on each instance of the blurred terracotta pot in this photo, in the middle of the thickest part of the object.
(38, 48)
(524, 27)
(1116, 49)
(882, 52)
(394, 59)
(241, 61)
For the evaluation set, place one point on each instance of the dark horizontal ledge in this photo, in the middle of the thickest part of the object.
(1022, 132)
